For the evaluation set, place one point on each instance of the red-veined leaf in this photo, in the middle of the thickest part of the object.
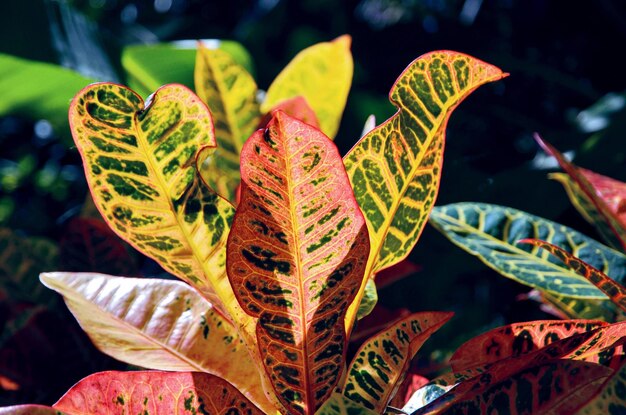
(296, 255)
(154, 393)
(395, 169)
(29, 410)
(614, 290)
(379, 365)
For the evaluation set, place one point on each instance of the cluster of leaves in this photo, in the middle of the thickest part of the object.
(278, 241)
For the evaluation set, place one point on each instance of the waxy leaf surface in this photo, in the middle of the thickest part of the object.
(158, 324)
(140, 165)
(490, 233)
(614, 290)
(381, 362)
(322, 75)
(230, 93)
(395, 168)
(296, 256)
(154, 393)
(611, 398)
(610, 222)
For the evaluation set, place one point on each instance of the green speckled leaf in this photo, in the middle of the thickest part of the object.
(296, 256)
(380, 363)
(395, 168)
(337, 404)
(158, 324)
(490, 233)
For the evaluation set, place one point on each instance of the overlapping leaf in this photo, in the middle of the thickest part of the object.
(29, 410)
(322, 75)
(158, 324)
(584, 308)
(490, 232)
(230, 92)
(611, 398)
(395, 169)
(381, 362)
(296, 256)
(614, 290)
(610, 224)
(154, 393)
(140, 165)
(337, 404)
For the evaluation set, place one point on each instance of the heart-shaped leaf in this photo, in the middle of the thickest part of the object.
(380, 364)
(154, 393)
(395, 169)
(158, 324)
(296, 255)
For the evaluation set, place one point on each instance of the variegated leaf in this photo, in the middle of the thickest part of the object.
(514, 340)
(614, 290)
(381, 362)
(322, 75)
(395, 169)
(158, 324)
(610, 221)
(582, 308)
(611, 398)
(490, 232)
(337, 404)
(369, 300)
(154, 393)
(230, 93)
(296, 256)
(140, 165)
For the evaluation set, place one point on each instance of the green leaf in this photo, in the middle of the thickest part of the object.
(46, 98)
(154, 393)
(370, 298)
(381, 362)
(322, 75)
(230, 93)
(148, 67)
(337, 404)
(490, 233)
(296, 255)
(158, 324)
(395, 169)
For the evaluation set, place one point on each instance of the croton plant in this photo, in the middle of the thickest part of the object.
(278, 240)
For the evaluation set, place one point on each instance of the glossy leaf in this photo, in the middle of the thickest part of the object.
(154, 393)
(554, 387)
(89, 245)
(395, 169)
(614, 290)
(29, 410)
(230, 93)
(158, 324)
(611, 398)
(490, 233)
(140, 165)
(296, 255)
(379, 365)
(322, 75)
(514, 340)
(337, 404)
(610, 222)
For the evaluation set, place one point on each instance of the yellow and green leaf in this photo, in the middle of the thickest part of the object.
(395, 168)
(583, 308)
(490, 232)
(230, 93)
(158, 324)
(380, 364)
(337, 404)
(296, 256)
(322, 75)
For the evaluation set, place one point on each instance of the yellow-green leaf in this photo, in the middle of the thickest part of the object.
(322, 75)
(337, 404)
(158, 324)
(583, 308)
(395, 169)
(230, 93)
(381, 362)
(296, 255)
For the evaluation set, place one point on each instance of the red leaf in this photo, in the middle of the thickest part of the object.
(29, 410)
(296, 107)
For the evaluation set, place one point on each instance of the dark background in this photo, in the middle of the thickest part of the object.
(562, 58)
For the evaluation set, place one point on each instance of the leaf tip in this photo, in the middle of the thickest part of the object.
(344, 40)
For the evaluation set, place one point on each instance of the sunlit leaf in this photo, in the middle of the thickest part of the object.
(423, 396)
(296, 107)
(395, 169)
(29, 410)
(140, 165)
(158, 324)
(154, 393)
(490, 233)
(296, 256)
(337, 404)
(230, 93)
(609, 222)
(322, 74)
(379, 365)
(614, 290)
(611, 398)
